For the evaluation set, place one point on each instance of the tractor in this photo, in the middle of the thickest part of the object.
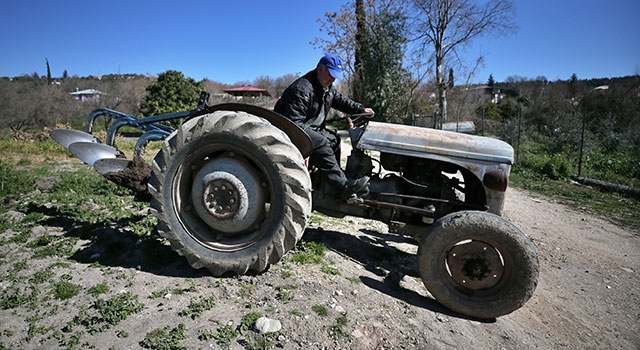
(232, 193)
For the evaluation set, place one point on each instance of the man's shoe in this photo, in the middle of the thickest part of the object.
(357, 186)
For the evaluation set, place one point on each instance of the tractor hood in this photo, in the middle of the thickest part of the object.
(425, 143)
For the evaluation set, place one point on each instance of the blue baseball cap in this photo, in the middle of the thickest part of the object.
(334, 64)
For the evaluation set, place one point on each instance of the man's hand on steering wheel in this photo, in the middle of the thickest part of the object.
(367, 113)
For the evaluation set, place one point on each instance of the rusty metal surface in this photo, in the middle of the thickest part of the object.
(421, 142)
(475, 265)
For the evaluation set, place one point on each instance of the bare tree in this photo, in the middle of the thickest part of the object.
(447, 25)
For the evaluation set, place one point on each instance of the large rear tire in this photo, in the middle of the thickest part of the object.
(231, 192)
(478, 264)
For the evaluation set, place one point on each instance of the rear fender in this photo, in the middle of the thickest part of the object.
(298, 137)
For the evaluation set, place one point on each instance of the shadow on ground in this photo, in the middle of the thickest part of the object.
(375, 252)
(109, 243)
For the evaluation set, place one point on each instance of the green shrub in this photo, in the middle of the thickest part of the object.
(557, 167)
(614, 167)
(536, 159)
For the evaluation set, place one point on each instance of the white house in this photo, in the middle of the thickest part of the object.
(87, 95)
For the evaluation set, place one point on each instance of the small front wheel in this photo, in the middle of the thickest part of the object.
(478, 264)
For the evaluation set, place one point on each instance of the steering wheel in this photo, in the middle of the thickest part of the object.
(360, 118)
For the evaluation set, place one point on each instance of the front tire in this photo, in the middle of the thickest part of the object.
(231, 192)
(478, 264)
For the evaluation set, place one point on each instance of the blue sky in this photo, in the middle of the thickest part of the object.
(237, 41)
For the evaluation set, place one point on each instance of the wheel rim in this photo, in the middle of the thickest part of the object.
(474, 265)
(221, 198)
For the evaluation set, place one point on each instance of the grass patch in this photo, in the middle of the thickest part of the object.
(246, 290)
(107, 313)
(296, 312)
(64, 290)
(41, 276)
(309, 253)
(320, 310)
(100, 288)
(225, 335)
(284, 293)
(166, 338)
(13, 182)
(196, 308)
(330, 270)
(613, 206)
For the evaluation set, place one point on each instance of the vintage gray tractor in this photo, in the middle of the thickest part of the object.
(232, 194)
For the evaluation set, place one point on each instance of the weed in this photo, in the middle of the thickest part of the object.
(12, 299)
(206, 336)
(144, 226)
(193, 287)
(309, 253)
(196, 308)
(355, 279)
(20, 265)
(34, 329)
(330, 270)
(13, 182)
(283, 293)
(86, 183)
(225, 335)
(295, 312)
(110, 312)
(165, 338)
(246, 290)
(49, 245)
(248, 320)
(159, 293)
(337, 329)
(320, 310)
(64, 290)
(119, 307)
(24, 162)
(98, 289)
(263, 342)
(286, 273)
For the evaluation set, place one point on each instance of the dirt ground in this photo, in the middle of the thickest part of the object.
(587, 297)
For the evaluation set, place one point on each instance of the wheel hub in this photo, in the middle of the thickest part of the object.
(475, 265)
(227, 195)
(222, 198)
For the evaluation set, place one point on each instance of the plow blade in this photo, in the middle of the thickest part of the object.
(110, 165)
(65, 137)
(90, 152)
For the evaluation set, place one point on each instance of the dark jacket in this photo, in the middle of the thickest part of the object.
(301, 101)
